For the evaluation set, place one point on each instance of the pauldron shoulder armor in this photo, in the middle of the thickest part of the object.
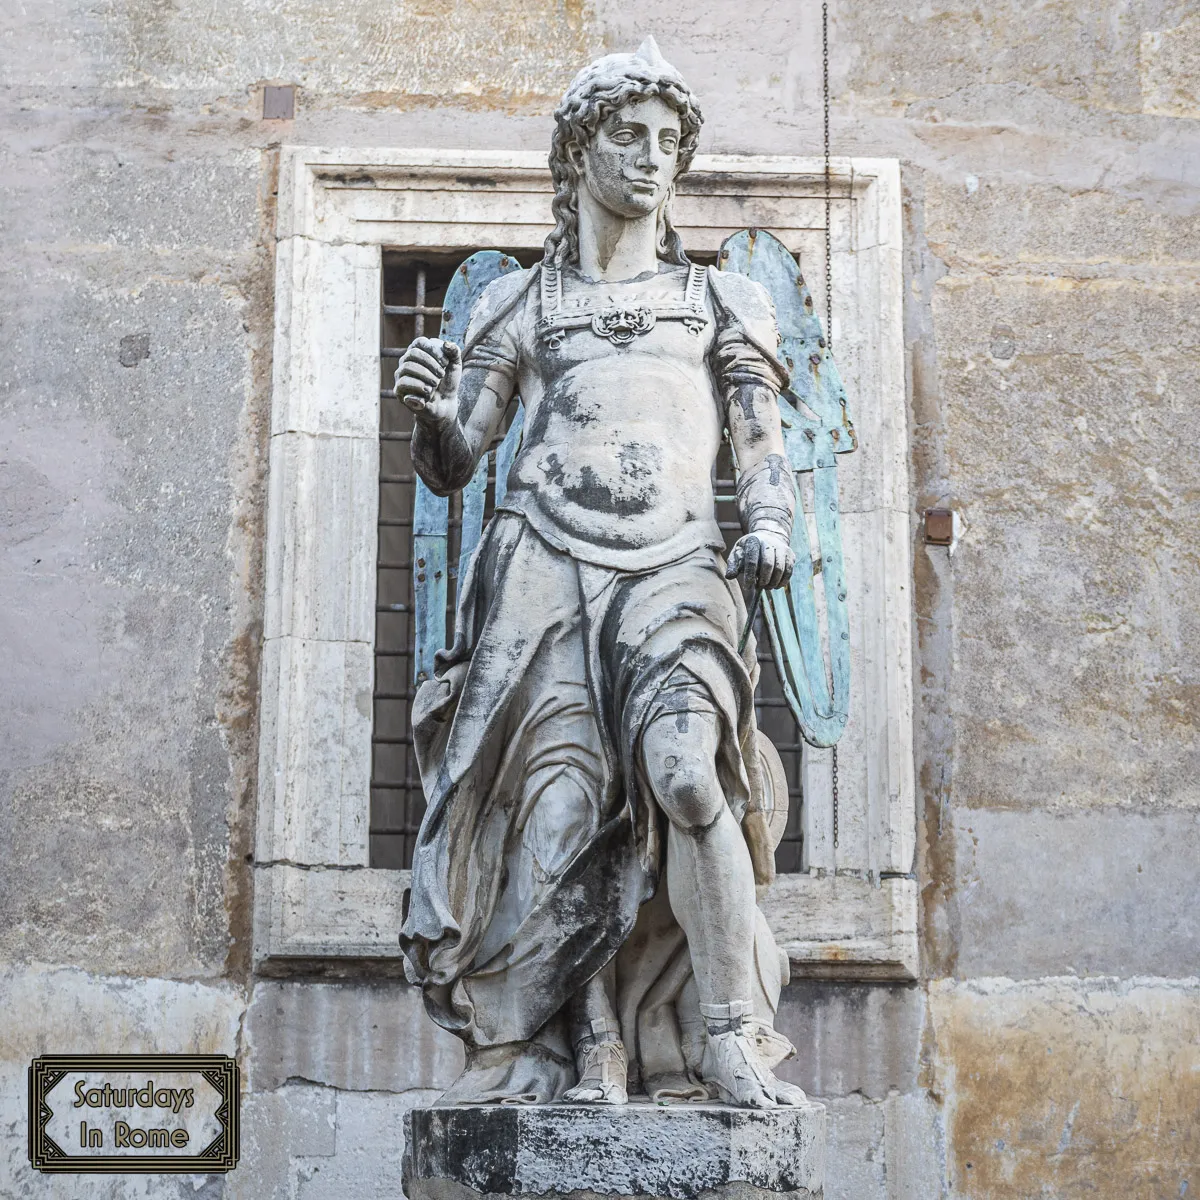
(748, 305)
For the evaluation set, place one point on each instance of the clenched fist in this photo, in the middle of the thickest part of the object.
(427, 380)
(763, 560)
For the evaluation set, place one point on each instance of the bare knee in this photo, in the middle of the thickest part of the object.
(680, 761)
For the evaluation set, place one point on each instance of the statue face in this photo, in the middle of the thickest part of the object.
(630, 162)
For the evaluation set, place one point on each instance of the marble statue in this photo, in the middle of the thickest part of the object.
(583, 911)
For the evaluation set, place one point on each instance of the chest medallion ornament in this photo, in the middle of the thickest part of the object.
(621, 323)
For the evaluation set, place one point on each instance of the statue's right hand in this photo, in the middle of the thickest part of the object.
(427, 379)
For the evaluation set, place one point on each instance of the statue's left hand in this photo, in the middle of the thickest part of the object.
(762, 560)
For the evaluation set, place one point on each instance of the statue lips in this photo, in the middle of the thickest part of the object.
(645, 186)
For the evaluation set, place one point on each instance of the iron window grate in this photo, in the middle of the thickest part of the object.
(413, 289)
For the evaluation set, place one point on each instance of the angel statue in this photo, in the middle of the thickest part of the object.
(583, 911)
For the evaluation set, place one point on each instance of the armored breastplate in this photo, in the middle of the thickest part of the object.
(619, 323)
(622, 425)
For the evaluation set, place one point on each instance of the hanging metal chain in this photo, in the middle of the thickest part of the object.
(828, 179)
(835, 800)
(828, 295)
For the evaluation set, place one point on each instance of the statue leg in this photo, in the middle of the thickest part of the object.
(559, 811)
(710, 883)
(599, 1052)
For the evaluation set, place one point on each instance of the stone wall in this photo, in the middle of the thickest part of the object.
(1051, 163)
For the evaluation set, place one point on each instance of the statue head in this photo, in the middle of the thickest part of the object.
(626, 129)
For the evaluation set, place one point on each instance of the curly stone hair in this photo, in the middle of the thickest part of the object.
(595, 93)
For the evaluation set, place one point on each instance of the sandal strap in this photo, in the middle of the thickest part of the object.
(726, 1018)
(600, 1061)
(603, 1029)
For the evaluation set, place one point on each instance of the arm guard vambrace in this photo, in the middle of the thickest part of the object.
(441, 456)
(766, 498)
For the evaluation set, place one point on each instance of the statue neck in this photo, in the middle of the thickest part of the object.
(612, 247)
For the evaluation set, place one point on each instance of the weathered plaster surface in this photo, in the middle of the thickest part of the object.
(1051, 165)
(1080, 893)
(889, 1149)
(50, 1008)
(1070, 406)
(312, 1143)
(63, 1010)
(1169, 63)
(117, 598)
(356, 1037)
(1070, 1087)
(863, 1040)
(373, 47)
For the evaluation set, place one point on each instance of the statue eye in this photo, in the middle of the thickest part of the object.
(623, 137)
(668, 142)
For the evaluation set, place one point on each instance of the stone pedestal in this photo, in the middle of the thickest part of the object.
(682, 1151)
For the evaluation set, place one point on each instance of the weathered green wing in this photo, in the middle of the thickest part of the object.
(816, 428)
(431, 513)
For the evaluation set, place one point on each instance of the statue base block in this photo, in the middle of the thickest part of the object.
(582, 1151)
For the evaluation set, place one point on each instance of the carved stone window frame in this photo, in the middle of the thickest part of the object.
(853, 914)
